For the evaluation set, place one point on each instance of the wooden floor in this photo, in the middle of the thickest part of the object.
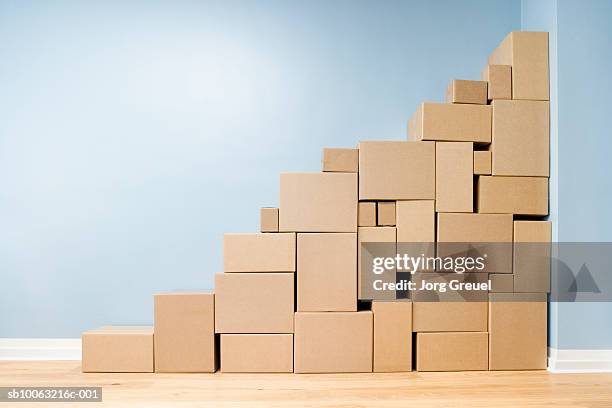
(406, 390)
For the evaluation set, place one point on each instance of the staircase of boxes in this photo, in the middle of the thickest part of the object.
(474, 169)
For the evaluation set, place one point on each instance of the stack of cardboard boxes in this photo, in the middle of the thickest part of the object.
(474, 170)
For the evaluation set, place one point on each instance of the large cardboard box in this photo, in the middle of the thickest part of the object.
(532, 252)
(451, 351)
(501, 282)
(386, 213)
(118, 349)
(367, 214)
(257, 353)
(499, 79)
(454, 177)
(259, 252)
(462, 91)
(318, 202)
(185, 333)
(374, 242)
(327, 272)
(254, 302)
(482, 162)
(268, 217)
(333, 342)
(513, 195)
(527, 53)
(392, 336)
(340, 160)
(396, 171)
(520, 143)
(517, 331)
(452, 123)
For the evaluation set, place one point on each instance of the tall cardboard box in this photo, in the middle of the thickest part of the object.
(254, 302)
(327, 272)
(482, 162)
(268, 219)
(499, 79)
(532, 252)
(318, 202)
(462, 91)
(340, 160)
(367, 214)
(452, 351)
(452, 123)
(257, 353)
(185, 333)
(259, 252)
(386, 213)
(118, 349)
(513, 195)
(374, 242)
(333, 342)
(454, 177)
(392, 336)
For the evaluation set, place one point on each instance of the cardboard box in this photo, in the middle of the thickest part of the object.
(452, 351)
(185, 333)
(499, 78)
(259, 252)
(340, 160)
(367, 214)
(502, 282)
(482, 162)
(520, 143)
(416, 221)
(254, 302)
(380, 242)
(118, 349)
(268, 219)
(318, 202)
(396, 171)
(517, 331)
(327, 272)
(386, 213)
(454, 177)
(392, 336)
(452, 123)
(462, 91)
(449, 316)
(532, 252)
(513, 195)
(527, 53)
(333, 342)
(257, 353)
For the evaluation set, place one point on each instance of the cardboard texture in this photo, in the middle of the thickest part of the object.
(268, 219)
(254, 302)
(259, 252)
(501, 282)
(454, 177)
(340, 160)
(118, 349)
(333, 342)
(386, 213)
(367, 214)
(513, 195)
(318, 202)
(416, 221)
(451, 351)
(482, 162)
(499, 79)
(327, 272)
(462, 91)
(257, 353)
(532, 252)
(392, 336)
(185, 333)
(452, 123)
(396, 171)
(384, 235)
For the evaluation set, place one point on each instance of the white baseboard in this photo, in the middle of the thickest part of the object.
(40, 349)
(579, 361)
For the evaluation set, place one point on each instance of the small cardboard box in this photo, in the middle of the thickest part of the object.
(257, 353)
(259, 252)
(185, 333)
(517, 331)
(454, 177)
(392, 336)
(118, 349)
(527, 53)
(367, 214)
(482, 163)
(513, 195)
(499, 78)
(462, 91)
(327, 272)
(318, 202)
(452, 351)
(386, 213)
(254, 302)
(532, 254)
(333, 342)
(501, 282)
(340, 160)
(452, 123)
(396, 171)
(268, 217)
(520, 143)
(416, 221)
(386, 236)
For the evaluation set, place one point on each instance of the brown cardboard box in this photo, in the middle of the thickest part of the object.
(513, 195)
(499, 78)
(386, 213)
(340, 160)
(532, 253)
(451, 351)
(118, 349)
(257, 353)
(415, 221)
(482, 162)
(254, 302)
(386, 236)
(501, 282)
(392, 336)
(327, 272)
(462, 91)
(396, 170)
(520, 143)
(454, 177)
(268, 219)
(517, 331)
(185, 333)
(527, 53)
(259, 252)
(318, 202)
(452, 123)
(333, 342)
(367, 214)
